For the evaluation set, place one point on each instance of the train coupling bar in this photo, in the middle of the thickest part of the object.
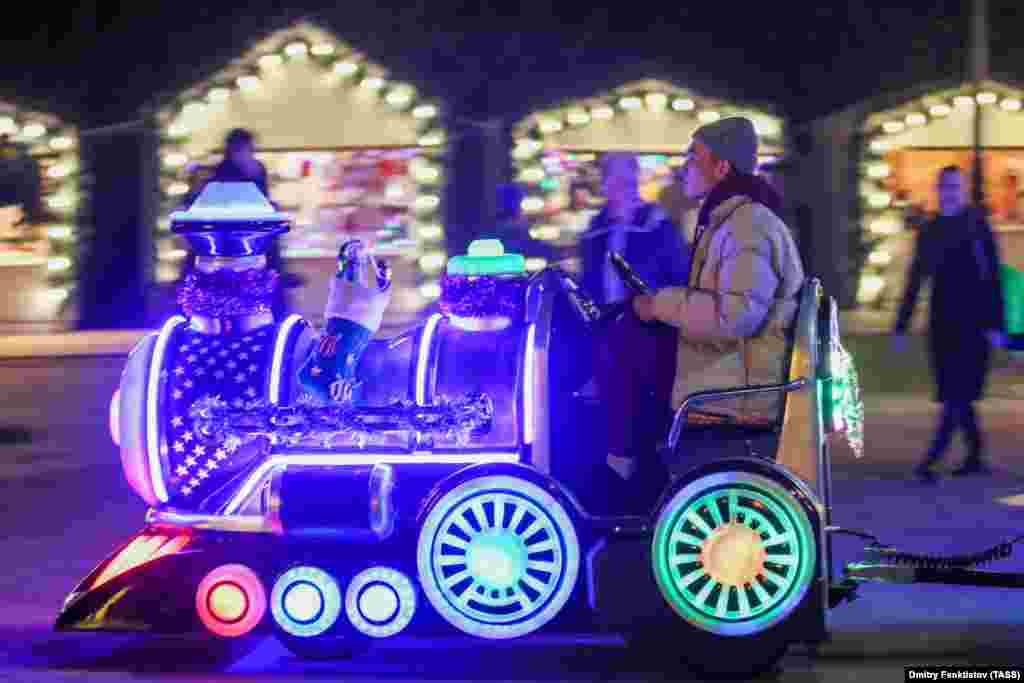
(885, 564)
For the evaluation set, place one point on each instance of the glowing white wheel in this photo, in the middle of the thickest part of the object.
(306, 601)
(498, 557)
(734, 553)
(380, 602)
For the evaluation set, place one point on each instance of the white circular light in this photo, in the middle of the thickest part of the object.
(426, 174)
(346, 68)
(58, 232)
(550, 125)
(175, 159)
(879, 200)
(178, 130)
(432, 261)
(602, 112)
(656, 101)
(878, 171)
(532, 204)
(987, 98)
(380, 602)
(372, 83)
(885, 226)
(60, 202)
(880, 258)
(218, 95)
(8, 126)
(964, 102)
(430, 232)
(323, 49)
(893, 126)
(427, 202)
(58, 264)
(399, 97)
(870, 287)
(534, 174)
(424, 111)
(296, 49)
(58, 171)
(708, 116)
(578, 117)
(248, 83)
(61, 143)
(916, 119)
(940, 110)
(58, 295)
(1010, 104)
(536, 264)
(306, 601)
(432, 139)
(880, 146)
(34, 130)
(630, 103)
(271, 61)
(430, 290)
(177, 189)
(683, 104)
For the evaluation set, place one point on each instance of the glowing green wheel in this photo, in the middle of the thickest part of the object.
(734, 553)
(498, 557)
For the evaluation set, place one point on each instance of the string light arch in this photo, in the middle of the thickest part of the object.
(879, 209)
(344, 69)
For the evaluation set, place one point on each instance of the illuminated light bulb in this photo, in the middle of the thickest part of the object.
(916, 119)
(683, 104)
(175, 160)
(532, 204)
(602, 113)
(58, 171)
(323, 49)
(399, 97)
(766, 128)
(58, 295)
(60, 202)
(1010, 104)
(424, 111)
(578, 117)
(548, 232)
(522, 153)
(963, 102)
(372, 83)
(430, 290)
(940, 110)
(656, 101)
(879, 200)
(61, 143)
(534, 174)
(432, 261)
(178, 130)
(426, 174)
(427, 202)
(878, 171)
(676, 161)
(430, 232)
(630, 103)
(271, 61)
(58, 264)
(34, 130)
(58, 232)
(346, 68)
(870, 287)
(550, 126)
(885, 226)
(880, 146)
(296, 49)
(248, 83)
(218, 95)
(8, 126)
(708, 116)
(535, 264)
(987, 98)
(432, 139)
(893, 126)
(880, 258)
(177, 189)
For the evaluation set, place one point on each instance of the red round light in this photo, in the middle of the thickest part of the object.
(231, 600)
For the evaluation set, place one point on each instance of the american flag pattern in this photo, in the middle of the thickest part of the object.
(235, 368)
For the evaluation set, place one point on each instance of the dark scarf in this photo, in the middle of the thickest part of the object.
(740, 184)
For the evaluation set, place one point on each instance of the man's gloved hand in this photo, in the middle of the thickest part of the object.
(624, 467)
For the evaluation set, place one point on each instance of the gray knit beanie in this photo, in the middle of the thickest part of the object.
(733, 139)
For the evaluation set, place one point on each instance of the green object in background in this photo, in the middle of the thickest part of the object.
(487, 257)
(1012, 281)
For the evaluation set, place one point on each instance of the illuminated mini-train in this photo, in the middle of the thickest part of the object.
(453, 481)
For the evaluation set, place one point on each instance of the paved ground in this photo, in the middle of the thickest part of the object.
(64, 504)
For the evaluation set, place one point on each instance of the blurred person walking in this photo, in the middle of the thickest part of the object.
(957, 252)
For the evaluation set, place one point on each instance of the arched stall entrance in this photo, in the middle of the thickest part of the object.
(349, 154)
(905, 148)
(557, 152)
(38, 239)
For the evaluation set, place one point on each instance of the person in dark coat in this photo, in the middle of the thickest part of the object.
(642, 232)
(240, 165)
(958, 253)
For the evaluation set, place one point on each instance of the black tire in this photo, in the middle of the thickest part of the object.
(325, 647)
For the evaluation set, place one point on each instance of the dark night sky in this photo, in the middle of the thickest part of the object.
(99, 63)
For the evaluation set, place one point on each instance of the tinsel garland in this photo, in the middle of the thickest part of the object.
(484, 296)
(228, 293)
(847, 404)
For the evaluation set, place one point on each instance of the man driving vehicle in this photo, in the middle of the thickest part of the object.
(727, 327)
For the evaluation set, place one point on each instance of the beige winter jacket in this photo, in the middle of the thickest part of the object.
(734, 316)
